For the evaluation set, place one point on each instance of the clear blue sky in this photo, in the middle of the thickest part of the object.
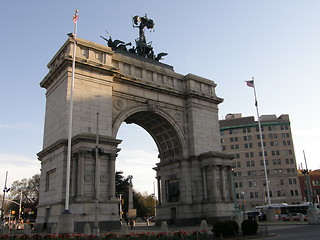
(275, 41)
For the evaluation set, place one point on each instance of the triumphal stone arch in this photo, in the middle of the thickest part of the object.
(180, 112)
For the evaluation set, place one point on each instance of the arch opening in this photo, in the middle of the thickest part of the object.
(163, 133)
(138, 157)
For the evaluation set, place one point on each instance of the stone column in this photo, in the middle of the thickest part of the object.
(229, 183)
(186, 185)
(80, 175)
(74, 168)
(204, 181)
(223, 183)
(112, 176)
(214, 183)
(130, 206)
(159, 190)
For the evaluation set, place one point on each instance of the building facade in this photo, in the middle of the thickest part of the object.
(240, 136)
(314, 183)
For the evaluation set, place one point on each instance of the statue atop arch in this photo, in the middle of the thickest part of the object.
(143, 48)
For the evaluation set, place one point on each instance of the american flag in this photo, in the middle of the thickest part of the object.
(75, 16)
(250, 83)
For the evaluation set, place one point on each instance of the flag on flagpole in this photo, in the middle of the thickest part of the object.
(250, 83)
(75, 16)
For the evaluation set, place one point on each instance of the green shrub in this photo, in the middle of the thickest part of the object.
(249, 227)
(224, 229)
(234, 225)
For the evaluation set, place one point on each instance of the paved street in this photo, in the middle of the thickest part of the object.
(294, 232)
(280, 231)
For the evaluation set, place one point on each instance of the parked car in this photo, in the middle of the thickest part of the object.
(297, 216)
(151, 219)
(254, 215)
(284, 217)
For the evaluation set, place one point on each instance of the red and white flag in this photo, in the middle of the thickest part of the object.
(75, 16)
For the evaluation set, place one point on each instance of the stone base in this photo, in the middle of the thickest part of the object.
(271, 214)
(312, 215)
(66, 223)
(79, 226)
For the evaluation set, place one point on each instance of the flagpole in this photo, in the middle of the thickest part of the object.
(261, 140)
(75, 17)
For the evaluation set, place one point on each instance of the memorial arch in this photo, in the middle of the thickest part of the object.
(180, 112)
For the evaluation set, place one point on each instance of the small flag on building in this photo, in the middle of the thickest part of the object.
(75, 16)
(250, 83)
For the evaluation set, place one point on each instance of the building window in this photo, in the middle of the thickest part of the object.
(250, 154)
(281, 181)
(264, 144)
(270, 193)
(265, 154)
(248, 145)
(233, 131)
(221, 133)
(247, 138)
(251, 195)
(262, 164)
(246, 130)
(49, 179)
(173, 191)
(315, 183)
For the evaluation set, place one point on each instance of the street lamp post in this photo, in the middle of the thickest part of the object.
(312, 211)
(5, 190)
(244, 206)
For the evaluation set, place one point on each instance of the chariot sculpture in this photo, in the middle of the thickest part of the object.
(143, 48)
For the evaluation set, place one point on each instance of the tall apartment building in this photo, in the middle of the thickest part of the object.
(240, 136)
